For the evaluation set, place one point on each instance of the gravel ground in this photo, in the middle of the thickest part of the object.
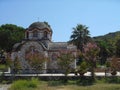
(4, 87)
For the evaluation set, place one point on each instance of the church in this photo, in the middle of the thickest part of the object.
(38, 39)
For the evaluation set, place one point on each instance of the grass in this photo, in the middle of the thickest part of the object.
(93, 87)
(2, 66)
(34, 84)
(76, 87)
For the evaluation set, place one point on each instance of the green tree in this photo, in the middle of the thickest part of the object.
(4, 39)
(104, 51)
(110, 40)
(65, 60)
(82, 68)
(118, 48)
(9, 35)
(37, 61)
(80, 36)
(16, 65)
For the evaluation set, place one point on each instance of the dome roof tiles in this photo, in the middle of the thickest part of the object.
(39, 25)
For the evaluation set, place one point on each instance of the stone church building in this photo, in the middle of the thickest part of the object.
(38, 39)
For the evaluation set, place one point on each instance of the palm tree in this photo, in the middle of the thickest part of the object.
(80, 36)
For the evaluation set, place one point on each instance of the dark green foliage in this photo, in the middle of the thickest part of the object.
(2, 57)
(86, 81)
(107, 36)
(113, 79)
(64, 61)
(104, 51)
(80, 36)
(9, 35)
(82, 68)
(110, 40)
(4, 39)
(108, 64)
(118, 48)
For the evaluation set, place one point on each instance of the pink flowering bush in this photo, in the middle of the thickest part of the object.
(90, 54)
(36, 60)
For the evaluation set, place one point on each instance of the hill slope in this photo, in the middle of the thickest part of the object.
(109, 36)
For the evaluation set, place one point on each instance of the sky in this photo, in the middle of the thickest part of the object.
(101, 16)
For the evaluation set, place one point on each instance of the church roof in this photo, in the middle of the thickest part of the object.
(61, 46)
(40, 25)
(57, 45)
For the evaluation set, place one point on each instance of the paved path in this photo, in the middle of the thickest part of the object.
(71, 74)
(4, 87)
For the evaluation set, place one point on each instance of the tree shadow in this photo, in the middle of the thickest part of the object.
(113, 79)
(85, 81)
(55, 83)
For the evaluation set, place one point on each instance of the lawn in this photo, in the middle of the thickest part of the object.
(76, 87)
(3, 67)
(57, 85)
(93, 87)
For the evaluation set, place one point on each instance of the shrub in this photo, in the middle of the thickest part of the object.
(24, 84)
(113, 80)
(86, 82)
(33, 83)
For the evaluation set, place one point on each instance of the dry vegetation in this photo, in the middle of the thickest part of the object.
(57, 85)
(76, 87)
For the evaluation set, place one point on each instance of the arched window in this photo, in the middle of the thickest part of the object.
(35, 34)
(45, 34)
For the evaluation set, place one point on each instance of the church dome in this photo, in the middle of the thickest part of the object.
(40, 25)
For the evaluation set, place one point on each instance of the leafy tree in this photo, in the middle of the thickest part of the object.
(65, 60)
(8, 60)
(4, 39)
(16, 65)
(82, 68)
(118, 48)
(9, 35)
(115, 65)
(104, 51)
(110, 40)
(91, 51)
(80, 36)
(36, 61)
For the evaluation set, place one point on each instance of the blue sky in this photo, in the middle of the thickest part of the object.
(101, 16)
